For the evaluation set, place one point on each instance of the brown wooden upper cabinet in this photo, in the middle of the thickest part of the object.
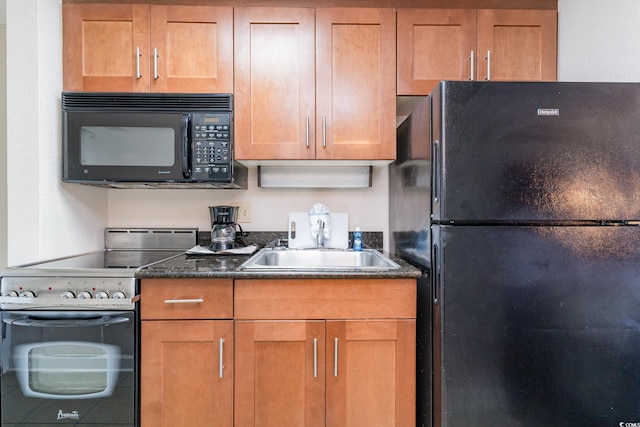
(142, 48)
(314, 83)
(467, 44)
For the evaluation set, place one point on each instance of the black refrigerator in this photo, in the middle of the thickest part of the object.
(528, 231)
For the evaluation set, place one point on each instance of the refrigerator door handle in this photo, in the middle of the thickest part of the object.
(436, 284)
(435, 265)
(436, 170)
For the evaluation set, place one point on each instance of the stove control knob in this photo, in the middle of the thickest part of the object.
(118, 295)
(102, 295)
(85, 295)
(67, 295)
(27, 294)
(13, 294)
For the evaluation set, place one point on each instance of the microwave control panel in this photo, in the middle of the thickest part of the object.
(211, 151)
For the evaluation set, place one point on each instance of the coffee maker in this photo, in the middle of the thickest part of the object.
(223, 227)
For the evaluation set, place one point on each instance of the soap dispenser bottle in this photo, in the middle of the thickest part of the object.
(357, 240)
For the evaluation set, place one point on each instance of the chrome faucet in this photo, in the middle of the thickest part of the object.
(320, 235)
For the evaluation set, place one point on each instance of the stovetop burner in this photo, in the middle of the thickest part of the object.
(95, 280)
(110, 262)
(107, 259)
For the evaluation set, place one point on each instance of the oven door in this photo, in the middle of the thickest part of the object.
(136, 146)
(68, 368)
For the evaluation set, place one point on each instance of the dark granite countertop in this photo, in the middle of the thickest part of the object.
(228, 266)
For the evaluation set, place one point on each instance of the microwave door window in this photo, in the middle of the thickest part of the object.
(127, 146)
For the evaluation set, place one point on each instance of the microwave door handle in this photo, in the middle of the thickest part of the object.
(68, 323)
(184, 147)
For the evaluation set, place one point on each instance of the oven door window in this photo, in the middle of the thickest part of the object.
(68, 354)
(67, 369)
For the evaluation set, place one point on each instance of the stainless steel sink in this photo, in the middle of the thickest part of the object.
(318, 259)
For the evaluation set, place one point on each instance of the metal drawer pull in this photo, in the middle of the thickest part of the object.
(307, 127)
(473, 59)
(138, 75)
(335, 357)
(221, 366)
(315, 358)
(184, 301)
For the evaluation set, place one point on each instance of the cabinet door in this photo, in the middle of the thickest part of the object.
(191, 49)
(356, 83)
(187, 373)
(517, 44)
(371, 376)
(100, 45)
(274, 83)
(434, 45)
(280, 373)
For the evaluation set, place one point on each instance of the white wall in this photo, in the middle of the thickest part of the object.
(45, 217)
(597, 41)
(3, 136)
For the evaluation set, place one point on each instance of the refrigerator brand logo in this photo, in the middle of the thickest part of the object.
(73, 415)
(548, 112)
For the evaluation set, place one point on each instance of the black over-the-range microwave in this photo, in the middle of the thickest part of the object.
(138, 140)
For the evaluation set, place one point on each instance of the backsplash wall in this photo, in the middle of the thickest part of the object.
(367, 207)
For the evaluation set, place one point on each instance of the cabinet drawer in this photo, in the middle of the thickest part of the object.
(270, 299)
(186, 299)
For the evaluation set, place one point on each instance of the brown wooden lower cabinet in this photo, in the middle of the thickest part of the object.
(186, 356)
(333, 373)
(371, 373)
(182, 382)
(280, 373)
(342, 355)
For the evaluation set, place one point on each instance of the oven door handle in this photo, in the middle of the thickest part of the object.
(67, 323)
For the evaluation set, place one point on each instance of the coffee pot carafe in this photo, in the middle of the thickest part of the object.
(223, 227)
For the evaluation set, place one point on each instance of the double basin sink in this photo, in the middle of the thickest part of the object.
(274, 259)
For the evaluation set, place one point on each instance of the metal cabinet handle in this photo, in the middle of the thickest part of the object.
(155, 63)
(221, 365)
(324, 131)
(184, 301)
(335, 357)
(315, 358)
(472, 57)
(488, 58)
(307, 131)
(138, 54)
